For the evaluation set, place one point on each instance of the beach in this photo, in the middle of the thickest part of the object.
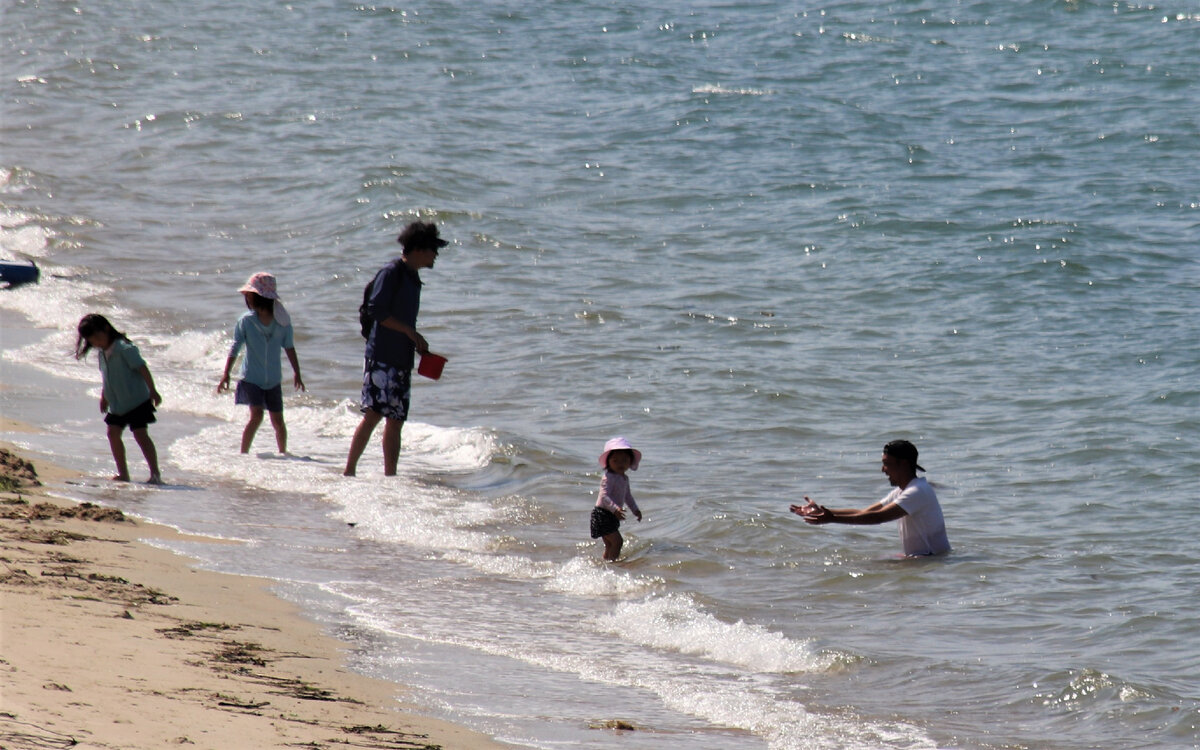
(111, 642)
(759, 241)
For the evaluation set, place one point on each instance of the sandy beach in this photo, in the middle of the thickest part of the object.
(109, 642)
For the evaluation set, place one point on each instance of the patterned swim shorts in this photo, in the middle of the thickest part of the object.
(386, 390)
(604, 522)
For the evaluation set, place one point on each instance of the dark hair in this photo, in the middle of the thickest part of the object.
(421, 235)
(259, 302)
(612, 453)
(903, 450)
(91, 324)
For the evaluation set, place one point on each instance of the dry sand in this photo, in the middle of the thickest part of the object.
(107, 642)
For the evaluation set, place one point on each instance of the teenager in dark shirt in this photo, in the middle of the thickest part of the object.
(387, 374)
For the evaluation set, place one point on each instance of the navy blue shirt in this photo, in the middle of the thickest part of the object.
(396, 294)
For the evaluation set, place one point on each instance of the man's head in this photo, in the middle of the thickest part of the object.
(900, 462)
(421, 243)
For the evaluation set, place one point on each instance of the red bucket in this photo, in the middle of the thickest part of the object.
(431, 365)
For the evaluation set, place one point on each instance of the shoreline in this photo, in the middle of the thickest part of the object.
(110, 642)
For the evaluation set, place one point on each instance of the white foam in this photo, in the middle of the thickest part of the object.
(784, 723)
(421, 517)
(55, 303)
(405, 509)
(718, 696)
(449, 449)
(29, 241)
(675, 623)
(576, 576)
(21, 234)
(199, 350)
(719, 89)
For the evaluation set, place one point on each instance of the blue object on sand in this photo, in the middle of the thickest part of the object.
(18, 273)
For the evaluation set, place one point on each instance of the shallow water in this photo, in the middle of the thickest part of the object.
(758, 240)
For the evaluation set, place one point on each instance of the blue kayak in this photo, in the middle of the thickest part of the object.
(18, 273)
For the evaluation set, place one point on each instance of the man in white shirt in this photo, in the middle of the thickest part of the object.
(913, 503)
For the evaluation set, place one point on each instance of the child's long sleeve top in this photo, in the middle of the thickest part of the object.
(614, 493)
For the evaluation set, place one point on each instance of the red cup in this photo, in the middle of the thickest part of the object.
(431, 365)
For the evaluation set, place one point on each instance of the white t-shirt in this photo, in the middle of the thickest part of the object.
(923, 530)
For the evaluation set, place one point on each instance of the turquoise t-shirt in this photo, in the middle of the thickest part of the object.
(124, 387)
(263, 346)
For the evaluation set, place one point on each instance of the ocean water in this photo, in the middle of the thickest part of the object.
(759, 239)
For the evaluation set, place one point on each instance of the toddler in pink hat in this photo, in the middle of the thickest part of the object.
(618, 458)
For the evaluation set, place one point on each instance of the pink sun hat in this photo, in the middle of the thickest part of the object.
(620, 444)
(263, 284)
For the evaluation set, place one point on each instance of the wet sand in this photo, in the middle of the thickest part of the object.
(109, 642)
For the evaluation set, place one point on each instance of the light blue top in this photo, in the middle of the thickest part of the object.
(124, 386)
(263, 345)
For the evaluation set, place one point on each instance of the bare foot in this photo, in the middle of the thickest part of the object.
(119, 478)
(154, 479)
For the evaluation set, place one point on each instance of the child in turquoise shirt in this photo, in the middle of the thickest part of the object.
(128, 396)
(265, 330)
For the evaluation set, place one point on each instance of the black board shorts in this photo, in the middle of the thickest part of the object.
(136, 418)
(604, 522)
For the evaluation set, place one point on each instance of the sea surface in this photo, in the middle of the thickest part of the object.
(759, 239)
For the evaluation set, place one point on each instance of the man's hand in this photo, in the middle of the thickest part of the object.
(813, 513)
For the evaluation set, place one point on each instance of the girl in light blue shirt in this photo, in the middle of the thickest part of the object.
(265, 330)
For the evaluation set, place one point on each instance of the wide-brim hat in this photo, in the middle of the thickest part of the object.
(620, 444)
(262, 284)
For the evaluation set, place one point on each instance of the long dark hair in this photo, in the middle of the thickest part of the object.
(90, 324)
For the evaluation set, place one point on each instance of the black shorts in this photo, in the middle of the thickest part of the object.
(136, 418)
(604, 522)
(249, 394)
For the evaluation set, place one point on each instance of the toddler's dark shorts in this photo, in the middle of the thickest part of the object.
(604, 522)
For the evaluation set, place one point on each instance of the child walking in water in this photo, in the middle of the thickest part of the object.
(618, 457)
(128, 396)
(264, 330)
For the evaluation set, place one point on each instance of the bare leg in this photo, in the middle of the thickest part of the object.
(391, 446)
(144, 442)
(612, 546)
(280, 430)
(118, 452)
(362, 436)
(256, 414)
